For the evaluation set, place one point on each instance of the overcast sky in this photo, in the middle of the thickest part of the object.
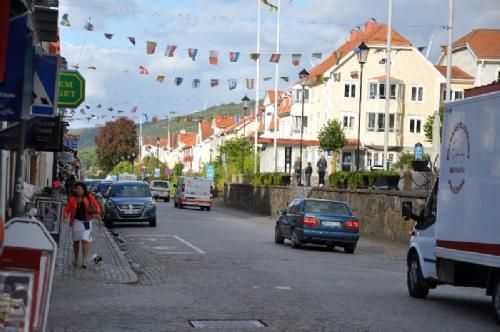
(307, 26)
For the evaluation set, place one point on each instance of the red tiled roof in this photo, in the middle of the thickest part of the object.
(239, 124)
(481, 90)
(151, 140)
(484, 42)
(271, 94)
(374, 33)
(288, 141)
(285, 106)
(456, 73)
(206, 129)
(222, 121)
(187, 139)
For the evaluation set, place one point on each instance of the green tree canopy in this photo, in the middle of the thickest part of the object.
(178, 168)
(430, 121)
(239, 153)
(331, 136)
(124, 167)
(116, 141)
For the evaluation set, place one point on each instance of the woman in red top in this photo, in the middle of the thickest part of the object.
(82, 207)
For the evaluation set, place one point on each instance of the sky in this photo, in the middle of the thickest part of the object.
(306, 27)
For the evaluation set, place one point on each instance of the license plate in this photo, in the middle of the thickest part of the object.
(331, 223)
(131, 211)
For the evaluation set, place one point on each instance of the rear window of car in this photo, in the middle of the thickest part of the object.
(160, 184)
(130, 190)
(327, 207)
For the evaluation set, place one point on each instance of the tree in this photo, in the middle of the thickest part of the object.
(178, 167)
(124, 167)
(430, 122)
(239, 153)
(116, 141)
(332, 138)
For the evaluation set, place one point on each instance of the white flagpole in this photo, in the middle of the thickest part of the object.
(140, 137)
(276, 78)
(450, 43)
(257, 90)
(387, 85)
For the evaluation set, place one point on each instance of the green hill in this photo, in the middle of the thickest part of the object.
(88, 135)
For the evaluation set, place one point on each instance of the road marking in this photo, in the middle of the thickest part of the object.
(283, 287)
(198, 250)
(164, 248)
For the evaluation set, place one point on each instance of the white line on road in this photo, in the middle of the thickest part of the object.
(198, 250)
(283, 287)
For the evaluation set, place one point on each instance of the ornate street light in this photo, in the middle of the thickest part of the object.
(304, 78)
(245, 101)
(362, 54)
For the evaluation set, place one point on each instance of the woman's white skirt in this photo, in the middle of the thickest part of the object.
(80, 233)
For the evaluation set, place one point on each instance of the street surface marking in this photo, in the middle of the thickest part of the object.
(198, 250)
(160, 249)
(283, 287)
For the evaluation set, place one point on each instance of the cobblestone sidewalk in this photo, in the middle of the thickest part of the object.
(114, 267)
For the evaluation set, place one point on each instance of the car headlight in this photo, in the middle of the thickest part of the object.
(150, 205)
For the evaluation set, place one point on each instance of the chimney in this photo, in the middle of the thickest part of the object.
(355, 33)
(370, 25)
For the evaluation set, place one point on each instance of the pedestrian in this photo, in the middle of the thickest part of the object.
(321, 164)
(297, 166)
(308, 171)
(81, 209)
(69, 184)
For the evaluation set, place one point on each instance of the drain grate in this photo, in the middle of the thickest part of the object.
(234, 324)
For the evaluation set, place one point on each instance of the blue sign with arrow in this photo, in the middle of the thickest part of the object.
(210, 171)
(45, 79)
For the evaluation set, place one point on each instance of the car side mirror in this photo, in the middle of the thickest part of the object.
(407, 210)
(281, 212)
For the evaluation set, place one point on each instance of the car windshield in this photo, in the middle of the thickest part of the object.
(130, 190)
(160, 184)
(327, 207)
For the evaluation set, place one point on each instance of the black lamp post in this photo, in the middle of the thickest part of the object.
(245, 101)
(362, 54)
(304, 77)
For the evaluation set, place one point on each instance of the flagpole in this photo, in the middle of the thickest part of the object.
(140, 137)
(257, 90)
(387, 85)
(276, 90)
(449, 50)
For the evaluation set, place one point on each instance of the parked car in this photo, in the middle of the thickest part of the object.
(129, 201)
(318, 221)
(160, 189)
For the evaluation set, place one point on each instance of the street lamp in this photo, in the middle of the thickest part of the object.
(362, 54)
(304, 77)
(245, 101)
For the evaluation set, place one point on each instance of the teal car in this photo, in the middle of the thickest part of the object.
(318, 221)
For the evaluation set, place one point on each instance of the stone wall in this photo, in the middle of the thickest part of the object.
(379, 210)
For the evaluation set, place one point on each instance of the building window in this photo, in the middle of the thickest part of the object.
(348, 122)
(298, 95)
(381, 91)
(350, 90)
(376, 122)
(373, 90)
(417, 93)
(415, 125)
(377, 90)
(371, 121)
(454, 95)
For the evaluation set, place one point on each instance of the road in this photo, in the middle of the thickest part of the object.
(224, 265)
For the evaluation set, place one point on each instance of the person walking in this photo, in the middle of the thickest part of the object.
(81, 209)
(321, 164)
(308, 172)
(298, 169)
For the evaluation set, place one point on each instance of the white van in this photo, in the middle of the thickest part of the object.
(160, 189)
(193, 191)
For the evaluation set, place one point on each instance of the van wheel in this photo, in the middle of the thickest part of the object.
(495, 300)
(417, 286)
(175, 204)
(209, 208)
(350, 249)
(166, 199)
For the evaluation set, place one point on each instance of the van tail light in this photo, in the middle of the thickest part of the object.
(183, 187)
(352, 225)
(310, 221)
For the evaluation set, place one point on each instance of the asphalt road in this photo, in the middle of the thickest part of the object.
(224, 265)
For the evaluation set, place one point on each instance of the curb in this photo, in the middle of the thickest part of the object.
(133, 279)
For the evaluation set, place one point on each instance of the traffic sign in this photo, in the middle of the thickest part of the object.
(157, 173)
(210, 171)
(71, 89)
(168, 171)
(45, 85)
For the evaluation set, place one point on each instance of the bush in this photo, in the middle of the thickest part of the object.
(338, 179)
(355, 180)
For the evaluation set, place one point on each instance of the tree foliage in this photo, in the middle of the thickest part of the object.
(124, 167)
(331, 136)
(239, 154)
(116, 141)
(178, 168)
(429, 123)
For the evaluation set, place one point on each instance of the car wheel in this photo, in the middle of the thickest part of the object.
(350, 249)
(165, 199)
(175, 204)
(278, 238)
(181, 206)
(108, 223)
(414, 279)
(152, 223)
(295, 240)
(495, 299)
(209, 208)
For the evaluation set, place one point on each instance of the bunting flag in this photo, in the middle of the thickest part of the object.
(82, 111)
(110, 109)
(178, 81)
(317, 55)
(196, 83)
(87, 107)
(296, 59)
(275, 57)
(160, 78)
(254, 56)
(213, 57)
(108, 36)
(146, 117)
(192, 52)
(132, 40)
(232, 83)
(134, 109)
(65, 21)
(267, 78)
(250, 83)
(234, 56)
(272, 7)
(120, 111)
(150, 47)
(214, 82)
(169, 52)
(92, 67)
(143, 70)
(89, 26)
(285, 78)
(76, 66)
